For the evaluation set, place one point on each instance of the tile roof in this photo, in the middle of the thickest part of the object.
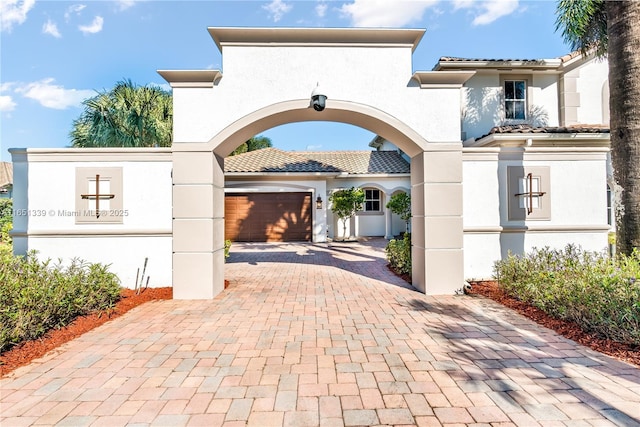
(352, 162)
(457, 59)
(6, 173)
(548, 129)
(564, 58)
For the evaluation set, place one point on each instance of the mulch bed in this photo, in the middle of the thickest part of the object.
(626, 352)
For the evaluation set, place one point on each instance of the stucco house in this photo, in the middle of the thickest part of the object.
(6, 180)
(499, 156)
(257, 210)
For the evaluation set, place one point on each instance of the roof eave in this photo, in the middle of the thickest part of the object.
(191, 78)
(541, 65)
(291, 36)
(543, 139)
(442, 79)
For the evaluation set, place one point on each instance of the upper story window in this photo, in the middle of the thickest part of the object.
(515, 99)
(371, 200)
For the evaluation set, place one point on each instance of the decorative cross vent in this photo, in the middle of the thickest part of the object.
(529, 193)
(97, 196)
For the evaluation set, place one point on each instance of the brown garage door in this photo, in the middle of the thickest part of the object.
(267, 217)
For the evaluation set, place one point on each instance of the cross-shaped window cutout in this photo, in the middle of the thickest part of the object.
(97, 196)
(529, 193)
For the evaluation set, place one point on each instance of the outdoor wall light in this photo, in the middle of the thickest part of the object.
(318, 98)
(319, 203)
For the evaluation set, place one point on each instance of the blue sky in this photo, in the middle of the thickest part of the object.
(54, 54)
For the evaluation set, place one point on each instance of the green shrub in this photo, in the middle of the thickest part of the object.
(399, 254)
(227, 248)
(6, 220)
(37, 296)
(599, 293)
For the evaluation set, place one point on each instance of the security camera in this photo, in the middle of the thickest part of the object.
(318, 99)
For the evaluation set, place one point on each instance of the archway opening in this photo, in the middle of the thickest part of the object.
(435, 173)
(279, 185)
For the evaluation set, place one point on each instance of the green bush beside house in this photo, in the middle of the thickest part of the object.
(599, 293)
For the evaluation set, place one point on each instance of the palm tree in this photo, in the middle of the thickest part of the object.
(126, 116)
(611, 28)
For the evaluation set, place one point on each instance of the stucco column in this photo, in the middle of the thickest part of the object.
(388, 232)
(198, 224)
(436, 223)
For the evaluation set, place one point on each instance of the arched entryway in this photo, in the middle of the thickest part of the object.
(401, 110)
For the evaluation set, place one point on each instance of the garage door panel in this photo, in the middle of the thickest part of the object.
(268, 217)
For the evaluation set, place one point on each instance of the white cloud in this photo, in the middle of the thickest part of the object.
(6, 103)
(14, 12)
(50, 95)
(125, 4)
(94, 27)
(489, 10)
(321, 9)
(385, 13)
(74, 9)
(277, 9)
(51, 28)
(313, 147)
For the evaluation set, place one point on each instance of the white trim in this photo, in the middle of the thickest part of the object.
(555, 140)
(287, 36)
(537, 229)
(191, 78)
(102, 155)
(442, 79)
(93, 233)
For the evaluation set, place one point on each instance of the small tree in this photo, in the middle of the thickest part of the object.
(400, 204)
(345, 204)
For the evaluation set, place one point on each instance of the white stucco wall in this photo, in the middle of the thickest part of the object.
(593, 77)
(283, 73)
(46, 182)
(577, 196)
(482, 102)
(544, 99)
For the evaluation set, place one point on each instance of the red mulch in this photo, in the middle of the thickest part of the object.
(24, 353)
(626, 352)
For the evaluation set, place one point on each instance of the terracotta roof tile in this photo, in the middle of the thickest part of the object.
(457, 59)
(353, 162)
(6, 173)
(547, 129)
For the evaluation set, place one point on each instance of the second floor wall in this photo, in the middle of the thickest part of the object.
(566, 91)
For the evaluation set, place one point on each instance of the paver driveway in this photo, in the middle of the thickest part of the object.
(321, 335)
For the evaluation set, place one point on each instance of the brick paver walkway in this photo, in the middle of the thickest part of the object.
(311, 335)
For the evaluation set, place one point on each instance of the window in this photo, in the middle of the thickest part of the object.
(515, 99)
(371, 200)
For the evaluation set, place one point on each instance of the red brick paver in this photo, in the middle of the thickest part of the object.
(321, 335)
